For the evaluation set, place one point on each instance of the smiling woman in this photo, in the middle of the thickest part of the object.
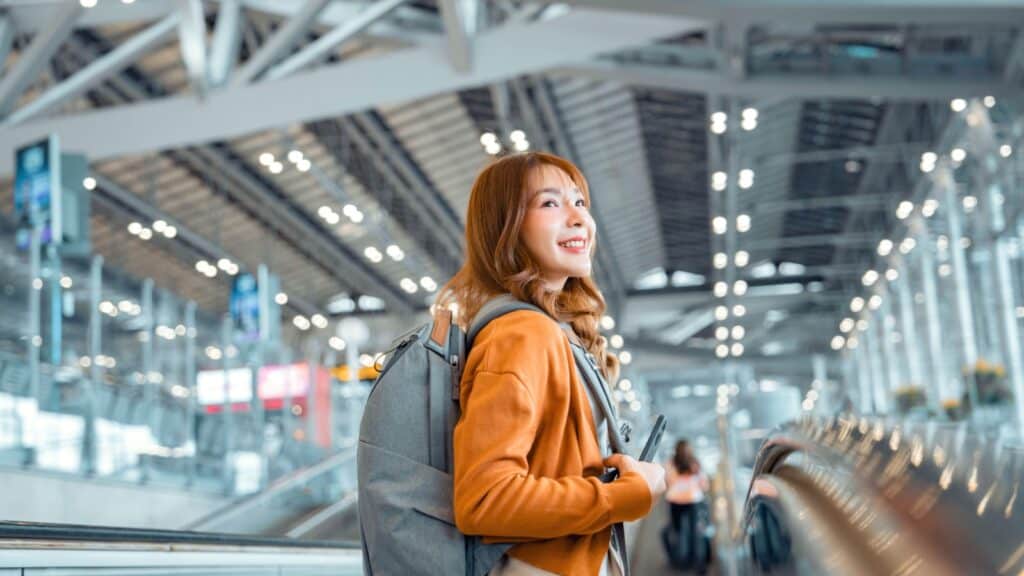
(528, 450)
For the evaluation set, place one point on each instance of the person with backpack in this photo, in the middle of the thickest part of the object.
(531, 443)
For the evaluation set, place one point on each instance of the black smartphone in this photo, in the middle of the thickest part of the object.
(648, 453)
(654, 440)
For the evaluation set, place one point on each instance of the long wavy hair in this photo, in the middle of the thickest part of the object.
(497, 261)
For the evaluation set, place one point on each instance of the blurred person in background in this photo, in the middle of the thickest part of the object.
(684, 537)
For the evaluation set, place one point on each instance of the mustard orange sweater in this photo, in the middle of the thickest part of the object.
(526, 452)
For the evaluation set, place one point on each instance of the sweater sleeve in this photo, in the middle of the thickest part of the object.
(494, 493)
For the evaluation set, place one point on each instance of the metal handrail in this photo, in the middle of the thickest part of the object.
(860, 464)
(93, 549)
(278, 487)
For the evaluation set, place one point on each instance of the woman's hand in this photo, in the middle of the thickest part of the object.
(653, 473)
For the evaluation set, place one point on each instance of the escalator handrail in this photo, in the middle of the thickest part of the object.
(40, 531)
(278, 487)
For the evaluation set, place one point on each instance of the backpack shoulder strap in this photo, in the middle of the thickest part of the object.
(494, 309)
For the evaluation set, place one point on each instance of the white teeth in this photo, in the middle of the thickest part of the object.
(573, 244)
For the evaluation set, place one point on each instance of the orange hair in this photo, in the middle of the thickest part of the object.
(498, 263)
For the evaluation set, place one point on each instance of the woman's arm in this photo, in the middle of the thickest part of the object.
(494, 493)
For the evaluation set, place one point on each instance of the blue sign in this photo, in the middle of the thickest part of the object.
(37, 187)
(245, 307)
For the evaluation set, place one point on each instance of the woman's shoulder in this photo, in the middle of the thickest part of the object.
(521, 324)
(518, 341)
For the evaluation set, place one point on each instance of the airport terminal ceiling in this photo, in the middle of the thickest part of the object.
(336, 142)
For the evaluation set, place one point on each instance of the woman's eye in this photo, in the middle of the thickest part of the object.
(548, 203)
(581, 203)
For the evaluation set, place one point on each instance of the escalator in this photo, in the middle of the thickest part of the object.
(854, 496)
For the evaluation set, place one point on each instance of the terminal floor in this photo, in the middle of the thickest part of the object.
(648, 557)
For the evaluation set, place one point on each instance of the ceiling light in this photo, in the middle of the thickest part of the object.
(319, 321)
(722, 333)
(721, 289)
(958, 104)
(737, 349)
(295, 156)
(373, 255)
(746, 179)
(874, 302)
(1005, 150)
(857, 304)
(281, 298)
(266, 159)
(885, 247)
(607, 322)
(517, 136)
(989, 101)
(739, 310)
(958, 154)
(719, 180)
(838, 342)
(134, 228)
(721, 260)
(145, 233)
(721, 313)
(488, 139)
(869, 278)
(738, 332)
(743, 222)
(395, 252)
(742, 258)
(409, 285)
(719, 224)
(89, 183)
(739, 288)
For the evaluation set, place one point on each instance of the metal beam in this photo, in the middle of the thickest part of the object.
(97, 71)
(272, 209)
(811, 12)
(459, 18)
(192, 36)
(394, 77)
(7, 31)
(850, 201)
(813, 240)
(227, 38)
(805, 87)
(282, 41)
(32, 59)
(329, 41)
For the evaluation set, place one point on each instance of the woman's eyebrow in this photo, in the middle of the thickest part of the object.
(555, 191)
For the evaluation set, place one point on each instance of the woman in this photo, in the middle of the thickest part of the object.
(686, 487)
(527, 454)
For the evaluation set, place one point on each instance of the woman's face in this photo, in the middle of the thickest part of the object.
(558, 230)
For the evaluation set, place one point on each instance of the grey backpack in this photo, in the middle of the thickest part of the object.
(404, 456)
